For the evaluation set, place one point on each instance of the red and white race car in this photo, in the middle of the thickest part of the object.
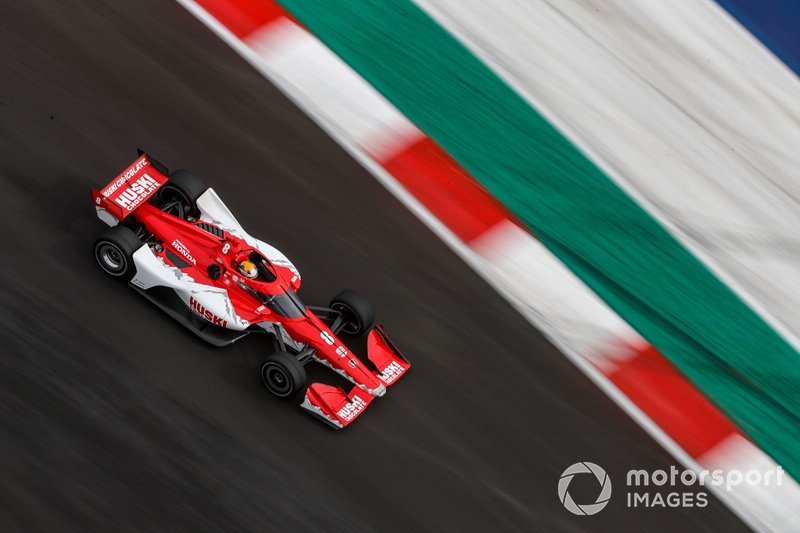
(174, 241)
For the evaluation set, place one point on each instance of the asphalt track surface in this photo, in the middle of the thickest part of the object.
(116, 418)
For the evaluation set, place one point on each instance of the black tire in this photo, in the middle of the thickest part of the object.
(283, 375)
(356, 310)
(113, 251)
(185, 187)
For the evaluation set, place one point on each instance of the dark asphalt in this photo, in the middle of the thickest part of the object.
(115, 418)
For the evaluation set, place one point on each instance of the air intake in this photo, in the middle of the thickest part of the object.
(213, 230)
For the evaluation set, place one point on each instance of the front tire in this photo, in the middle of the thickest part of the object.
(113, 251)
(356, 311)
(283, 375)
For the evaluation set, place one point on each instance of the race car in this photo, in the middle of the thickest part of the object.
(174, 241)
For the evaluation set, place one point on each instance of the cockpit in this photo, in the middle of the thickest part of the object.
(284, 302)
(256, 267)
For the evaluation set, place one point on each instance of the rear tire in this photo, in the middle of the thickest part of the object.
(113, 251)
(283, 375)
(356, 310)
(183, 186)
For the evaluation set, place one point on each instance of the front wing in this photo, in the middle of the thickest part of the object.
(337, 408)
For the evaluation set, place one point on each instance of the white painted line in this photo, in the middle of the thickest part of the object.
(773, 504)
(340, 95)
(546, 287)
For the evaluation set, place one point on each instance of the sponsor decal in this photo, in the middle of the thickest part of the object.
(122, 179)
(353, 363)
(178, 245)
(350, 410)
(327, 337)
(136, 192)
(391, 372)
(341, 351)
(202, 312)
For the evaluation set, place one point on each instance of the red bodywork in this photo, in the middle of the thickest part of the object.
(193, 249)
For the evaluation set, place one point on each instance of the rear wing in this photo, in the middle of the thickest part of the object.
(133, 187)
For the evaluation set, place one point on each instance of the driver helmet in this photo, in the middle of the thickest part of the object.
(248, 269)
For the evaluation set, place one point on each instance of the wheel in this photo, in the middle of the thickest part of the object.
(184, 187)
(283, 375)
(114, 250)
(355, 309)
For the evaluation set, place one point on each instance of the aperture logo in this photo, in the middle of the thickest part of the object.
(589, 508)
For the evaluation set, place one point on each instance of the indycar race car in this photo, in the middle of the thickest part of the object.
(174, 241)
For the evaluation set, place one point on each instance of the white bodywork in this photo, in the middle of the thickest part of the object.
(214, 211)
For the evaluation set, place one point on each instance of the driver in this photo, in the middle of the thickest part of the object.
(248, 269)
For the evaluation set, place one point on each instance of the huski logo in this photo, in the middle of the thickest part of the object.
(205, 313)
(350, 410)
(136, 192)
(589, 508)
(391, 372)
